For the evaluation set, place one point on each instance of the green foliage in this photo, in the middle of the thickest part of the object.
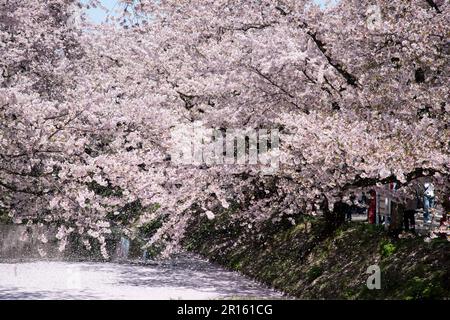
(236, 265)
(371, 228)
(420, 288)
(105, 191)
(4, 217)
(387, 249)
(155, 250)
(314, 273)
(149, 228)
(129, 213)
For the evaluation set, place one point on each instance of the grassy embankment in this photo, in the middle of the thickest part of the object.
(310, 261)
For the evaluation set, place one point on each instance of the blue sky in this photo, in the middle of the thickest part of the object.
(98, 15)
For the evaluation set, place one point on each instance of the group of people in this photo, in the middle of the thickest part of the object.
(400, 215)
(345, 211)
(424, 203)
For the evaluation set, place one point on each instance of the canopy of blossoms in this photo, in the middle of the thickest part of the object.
(358, 93)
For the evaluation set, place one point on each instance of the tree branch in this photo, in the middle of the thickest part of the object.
(15, 189)
(432, 4)
(276, 85)
(367, 182)
(349, 78)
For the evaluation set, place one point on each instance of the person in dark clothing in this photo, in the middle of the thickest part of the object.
(409, 215)
(352, 209)
(443, 222)
(364, 204)
(340, 211)
(446, 203)
(372, 207)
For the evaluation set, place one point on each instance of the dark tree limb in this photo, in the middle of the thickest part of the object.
(349, 78)
(367, 182)
(187, 99)
(15, 189)
(432, 4)
(279, 87)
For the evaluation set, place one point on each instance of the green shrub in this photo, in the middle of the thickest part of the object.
(387, 249)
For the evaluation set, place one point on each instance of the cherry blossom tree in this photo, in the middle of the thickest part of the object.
(70, 154)
(357, 92)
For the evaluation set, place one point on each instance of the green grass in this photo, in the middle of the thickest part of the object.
(421, 288)
(294, 259)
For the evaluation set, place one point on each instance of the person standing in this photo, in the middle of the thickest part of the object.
(372, 210)
(409, 214)
(446, 203)
(363, 204)
(428, 201)
(352, 209)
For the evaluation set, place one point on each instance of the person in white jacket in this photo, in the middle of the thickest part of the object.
(428, 201)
